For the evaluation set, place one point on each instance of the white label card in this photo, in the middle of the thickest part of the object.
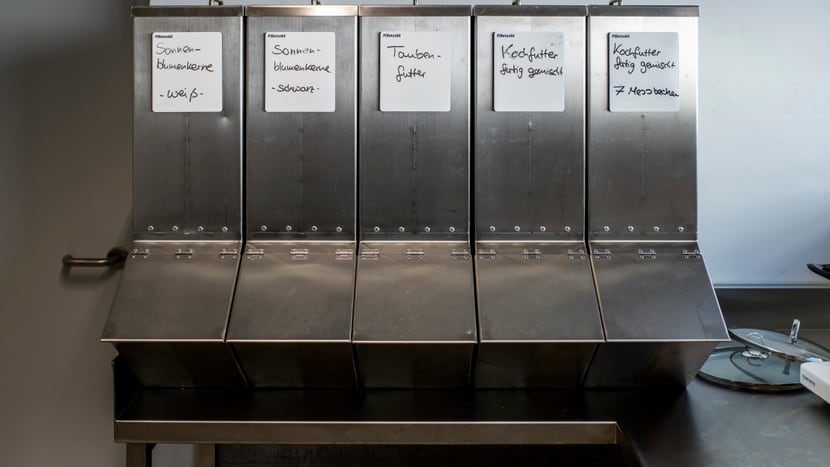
(528, 72)
(299, 72)
(187, 71)
(643, 72)
(415, 71)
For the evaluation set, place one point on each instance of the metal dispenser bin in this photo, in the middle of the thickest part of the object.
(170, 313)
(414, 319)
(659, 309)
(292, 313)
(537, 306)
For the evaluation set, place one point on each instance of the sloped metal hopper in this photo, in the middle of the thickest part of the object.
(660, 313)
(292, 313)
(414, 318)
(170, 313)
(537, 306)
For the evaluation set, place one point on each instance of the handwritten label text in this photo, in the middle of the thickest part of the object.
(187, 71)
(643, 72)
(299, 72)
(415, 71)
(528, 72)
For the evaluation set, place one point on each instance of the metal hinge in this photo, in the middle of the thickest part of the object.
(255, 253)
(370, 255)
(184, 253)
(228, 254)
(691, 254)
(578, 253)
(298, 254)
(602, 253)
(487, 254)
(142, 253)
(534, 253)
(414, 253)
(647, 254)
(461, 253)
(343, 255)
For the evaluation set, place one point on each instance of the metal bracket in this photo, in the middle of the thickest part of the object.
(298, 254)
(184, 253)
(602, 253)
(461, 253)
(647, 254)
(487, 254)
(343, 255)
(224, 253)
(142, 253)
(691, 254)
(255, 253)
(532, 254)
(370, 255)
(578, 253)
(414, 253)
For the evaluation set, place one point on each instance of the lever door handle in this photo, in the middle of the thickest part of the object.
(115, 257)
(822, 270)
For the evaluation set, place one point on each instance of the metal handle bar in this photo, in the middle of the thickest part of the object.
(822, 270)
(114, 258)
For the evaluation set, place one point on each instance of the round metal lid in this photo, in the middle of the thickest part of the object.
(788, 347)
(740, 367)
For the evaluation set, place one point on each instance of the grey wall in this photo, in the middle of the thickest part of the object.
(65, 151)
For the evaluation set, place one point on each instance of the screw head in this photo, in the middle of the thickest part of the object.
(427, 229)
(452, 229)
(606, 228)
(288, 228)
(567, 228)
(681, 229)
(224, 228)
(630, 228)
(175, 228)
(150, 228)
(200, 229)
(263, 228)
(517, 228)
(542, 228)
(313, 228)
(376, 229)
(401, 229)
(492, 228)
(656, 228)
(338, 229)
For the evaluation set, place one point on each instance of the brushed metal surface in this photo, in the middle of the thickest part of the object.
(300, 166)
(187, 166)
(300, 10)
(414, 315)
(188, 11)
(415, 10)
(659, 364)
(292, 314)
(530, 10)
(530, 166)
(414, 166)
(642, 166)
(538, 315)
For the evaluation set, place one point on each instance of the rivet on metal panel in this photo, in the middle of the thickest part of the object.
(542, 228)
(288, 228)
(630, 228)
(578, 253)
(567, 228)
(184, 253)
(370, 255)
(681, 229)
(656, 228)
(606, 228)
(517, 228)
(227, 254)
(401, 229)
(414, 253)
(313, 228)
(263, 228)
(534, 253)
(376, 229)
(139, 253)
(427, 229)
(175, 228)
(224, 228)
(487, 254)
(343, 254)
(647, 254)
(299, 254)
(602, 253)
(492, 228)
(150, 228)
(338, 229)
(461, 253)
(691, 254)
(200, 229)
(452, 229)
(255, 253)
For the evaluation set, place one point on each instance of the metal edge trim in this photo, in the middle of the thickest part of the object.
(415, 10)
(300, 10)
(541, 341)
(473, 341)
(644, 10)
(530, 10)
(193, 11)
(237, 341)
(115, 340)
(712, 340)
